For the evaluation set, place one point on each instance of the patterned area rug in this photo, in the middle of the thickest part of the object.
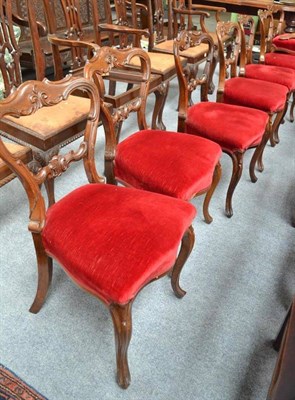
(13, 388)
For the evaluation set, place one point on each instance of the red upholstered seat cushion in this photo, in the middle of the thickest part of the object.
(280, 60)
(272, 73)
(170, 163)
(113, 240)
(280, 41)
(233, 127)
(265, 96)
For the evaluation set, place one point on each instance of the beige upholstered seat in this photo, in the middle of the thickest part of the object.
(20, 152)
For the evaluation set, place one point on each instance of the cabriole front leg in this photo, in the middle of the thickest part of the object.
(237, 160)
(121, 315)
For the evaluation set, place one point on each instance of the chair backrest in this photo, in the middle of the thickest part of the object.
(268, 30)
(9, 50)
(97, 69)
(202, 77)
(247, 26)
(28, 98)
(232, 53)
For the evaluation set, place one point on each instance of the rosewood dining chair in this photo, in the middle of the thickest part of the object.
(267, 96)
(272, 55)
(270, 73)
(50, 128)
(235, 128)
(118, 240)
(181, 166)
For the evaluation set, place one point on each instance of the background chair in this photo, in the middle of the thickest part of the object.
(50, 128)
(235, 128)
(267, 55)
(120, 240)
(270, 73)
(269, 97)
(176, 165)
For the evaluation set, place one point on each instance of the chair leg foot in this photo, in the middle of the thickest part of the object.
(44, 275)
(161, 94)
(187, 245)
(257, 156)
(122, 321)
(209, 194)
(237, 160)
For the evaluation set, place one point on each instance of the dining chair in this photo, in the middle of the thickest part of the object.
(118, 240)
(131, 35)
(269, 53)
(166, 162)
(270, 73)
(236, 128)
(267, 96)
(49, 129)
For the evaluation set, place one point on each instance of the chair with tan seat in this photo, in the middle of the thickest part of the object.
(118, 240)
(50, 128)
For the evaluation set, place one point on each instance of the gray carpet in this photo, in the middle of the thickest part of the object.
(214, 344)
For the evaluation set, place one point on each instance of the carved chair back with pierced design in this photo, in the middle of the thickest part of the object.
(232, 54)
(202, 77)
(104, 63)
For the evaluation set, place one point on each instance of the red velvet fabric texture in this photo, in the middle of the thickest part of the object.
(271, 73)
(233, 127)
(265, 96)
(288, 44)
(170, 163)
(280, 60)
(113, 240)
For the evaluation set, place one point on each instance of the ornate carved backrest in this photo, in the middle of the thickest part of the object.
(126, 16)
(26, 100)
(231, 52)
(247, 26)
(188, 83)
(267, 28)
(101, 65)
(74, 30)
(9, 50)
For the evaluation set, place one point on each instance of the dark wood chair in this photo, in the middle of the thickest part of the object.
(27, 40)
(120, 240)
(269, 97)
(182, 15)
(164, 162)
(235, 128)
(130, 34)
(270, 73)
(282, 386)
(74, 31)
(269, 53)
(50, 128)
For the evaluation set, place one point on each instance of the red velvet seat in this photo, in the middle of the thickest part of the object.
(176, 165)
(280, 60)
(128, 239)
(266, 96)
(184, 166)
(284, 42)
(222, 123)
(271, 73)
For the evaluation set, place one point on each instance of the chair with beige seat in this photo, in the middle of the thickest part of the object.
(49, 129)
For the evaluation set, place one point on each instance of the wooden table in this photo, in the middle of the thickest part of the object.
(251, 7)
